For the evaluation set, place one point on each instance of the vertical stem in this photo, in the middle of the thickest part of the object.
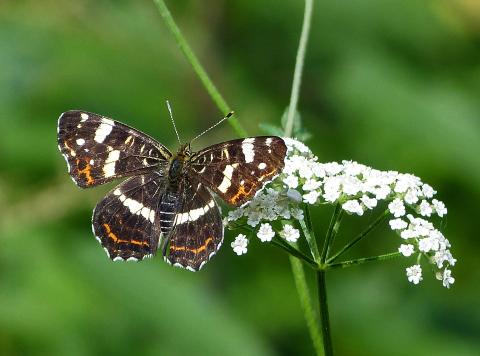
(306, 304)
(324, 318)
(297, 75)
(197, 67)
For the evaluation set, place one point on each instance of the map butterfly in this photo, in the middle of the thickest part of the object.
(166, 201)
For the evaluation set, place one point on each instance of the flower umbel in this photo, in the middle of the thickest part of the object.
(357, 189)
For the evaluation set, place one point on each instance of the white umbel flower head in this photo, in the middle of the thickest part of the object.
(357, 189)
(240, 244)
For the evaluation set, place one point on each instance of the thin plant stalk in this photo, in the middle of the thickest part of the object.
(197, 67)
(297, 74)
(359, 261)
(307, 305)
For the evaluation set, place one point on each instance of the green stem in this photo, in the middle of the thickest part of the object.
(324, 318)
(294, 252)
(197, 67)
(359, 261)
(306, 304)
(312, 243)
(364, 233)
(331, 232)
(309, 228)
(297, 75)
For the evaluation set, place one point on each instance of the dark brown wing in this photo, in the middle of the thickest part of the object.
(98, 149)
(197, 232)
(237, 169)
(127, 221)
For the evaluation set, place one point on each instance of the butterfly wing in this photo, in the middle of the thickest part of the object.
(127, 221)
(98, 149)
(237, 169)
(197, 232)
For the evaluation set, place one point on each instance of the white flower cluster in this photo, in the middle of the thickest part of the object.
(357, 188)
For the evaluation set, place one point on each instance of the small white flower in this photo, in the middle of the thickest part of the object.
(428, 191)
(353, 206)
(291, 181)
(439, 207)
(397, 208)
(311, 197)
(398, 224)
(351, 185)
(370, 203)
(412, 196)
(425, 208)
(414, 274)
(426, 244)
(446, 278)
(407, 234)
(240, 244)
(289, 233)
(382, 192)
(311, 184)
(406, 250)
(265, 233)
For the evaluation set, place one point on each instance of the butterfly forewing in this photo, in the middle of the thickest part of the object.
(237, 169)
(127, 222)
(98, 149)
(197, 232)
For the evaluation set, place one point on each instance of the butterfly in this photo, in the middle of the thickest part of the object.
(166, 202)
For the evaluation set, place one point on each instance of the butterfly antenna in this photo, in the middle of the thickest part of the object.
(173, 122)
(211, 127)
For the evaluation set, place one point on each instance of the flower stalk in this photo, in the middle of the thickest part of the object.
(197, 67)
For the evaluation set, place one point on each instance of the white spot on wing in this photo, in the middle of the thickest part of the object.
(118, 258)
(262, 165)
(194, 214)
(268, 141)
(84, 117)
(136, 207)
(109, 167)
(227, 179)
(104, 130)
(247, 149)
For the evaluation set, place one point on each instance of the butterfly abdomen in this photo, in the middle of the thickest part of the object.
(167, 211)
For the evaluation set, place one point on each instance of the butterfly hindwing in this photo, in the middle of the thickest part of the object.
(237, 169)
(98, 149)
(197, 232)
(127, 222)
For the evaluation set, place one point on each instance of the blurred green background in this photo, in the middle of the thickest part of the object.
(391, 84)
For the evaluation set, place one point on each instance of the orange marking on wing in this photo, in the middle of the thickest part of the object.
(86, 171)
(194, 250)
(266, 175)
(119, 240)
(240, 195)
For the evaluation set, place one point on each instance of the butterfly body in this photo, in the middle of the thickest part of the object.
(166, 200)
